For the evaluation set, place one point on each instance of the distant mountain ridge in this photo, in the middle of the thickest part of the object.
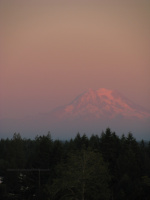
(101, 104)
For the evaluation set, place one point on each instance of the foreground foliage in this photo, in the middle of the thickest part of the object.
(100, 167)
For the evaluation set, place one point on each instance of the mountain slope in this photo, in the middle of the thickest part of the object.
(101, 104)
(90, 112)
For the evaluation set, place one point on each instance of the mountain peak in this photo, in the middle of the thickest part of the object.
(101, 104)
(103, 92)
(90, 112)
(100, 91)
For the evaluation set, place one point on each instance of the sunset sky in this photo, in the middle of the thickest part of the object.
(51, 52)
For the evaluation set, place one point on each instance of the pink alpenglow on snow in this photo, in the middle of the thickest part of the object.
(100, 104)
(90, 113)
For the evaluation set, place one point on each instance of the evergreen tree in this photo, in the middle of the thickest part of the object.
(83, 176)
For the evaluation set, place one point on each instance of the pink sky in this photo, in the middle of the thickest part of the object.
(50, 53)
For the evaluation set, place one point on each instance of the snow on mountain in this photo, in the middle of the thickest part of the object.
(90, 112)
(101, 104)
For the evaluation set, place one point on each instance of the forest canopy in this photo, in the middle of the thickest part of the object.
(100, 167)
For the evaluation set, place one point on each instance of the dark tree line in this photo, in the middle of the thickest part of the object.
(105, 167)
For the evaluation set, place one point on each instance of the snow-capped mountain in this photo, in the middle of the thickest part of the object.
(90, 113)
(101, 104)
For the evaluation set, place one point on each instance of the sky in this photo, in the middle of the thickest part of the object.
(51, 51)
